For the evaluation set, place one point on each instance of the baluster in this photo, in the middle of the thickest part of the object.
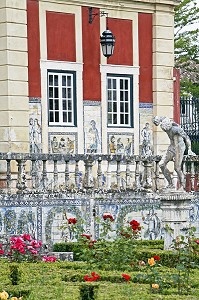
(8, 176)
(21, 181)
(99, 173)
(67, 174)
(88, 180)
(192, 176)
(34, 174)
(147, 179)
(44, 175)
(77, 173)
(55, 171)
(108, 174)
(137, 173)
(184, 172)
(128, 173)
(157, 175)
(118, 174)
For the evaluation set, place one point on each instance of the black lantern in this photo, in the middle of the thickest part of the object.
(107, 41)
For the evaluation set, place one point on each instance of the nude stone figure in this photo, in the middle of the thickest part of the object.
(179, 140)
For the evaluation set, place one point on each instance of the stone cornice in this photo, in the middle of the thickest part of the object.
(127, 5)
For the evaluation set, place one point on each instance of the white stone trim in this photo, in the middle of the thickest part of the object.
(128, 70)
(64, 66)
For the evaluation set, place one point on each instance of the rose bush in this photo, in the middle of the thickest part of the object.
(23, 248)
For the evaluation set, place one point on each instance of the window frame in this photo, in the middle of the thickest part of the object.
(130, 103)
(73, 96)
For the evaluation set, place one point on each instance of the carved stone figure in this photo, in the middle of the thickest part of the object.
(178, 142)
(146, 142)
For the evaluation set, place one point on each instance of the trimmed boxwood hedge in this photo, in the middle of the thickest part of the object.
(144, 249)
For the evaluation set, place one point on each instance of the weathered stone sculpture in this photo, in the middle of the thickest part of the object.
(178, 142)
(146, 142)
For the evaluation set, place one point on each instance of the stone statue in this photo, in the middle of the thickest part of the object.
(179, 140)
(146, 142)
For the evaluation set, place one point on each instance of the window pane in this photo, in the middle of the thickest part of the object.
(114, 119)
(122, 119)
(110, 106)
(56, 93)
(69, 93)
(122, 107)
(56, 116)
(109, 119)
(121, 96)
(64, 80)
(109, 95)
(64, 104)
(69, 81)
(64, 93)
(126, 96)
(64, 117)
(56, 80)
(56, 104)
(126, 84)
(109, 83)
(121, 84)
(50, 79)
(51, 104)
(51, 117)
(126, 119)
(126, 107)
(115, 106)
(69, 117)
(69, 105)
(50, 92)
(114, 84)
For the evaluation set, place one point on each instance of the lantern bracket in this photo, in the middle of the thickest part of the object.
(92, 15)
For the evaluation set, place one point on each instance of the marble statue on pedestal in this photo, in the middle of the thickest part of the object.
(179, 140)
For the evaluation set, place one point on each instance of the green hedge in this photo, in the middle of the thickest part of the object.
(75, 247)
(142, 251)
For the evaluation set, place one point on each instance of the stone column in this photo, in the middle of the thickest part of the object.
(14, 113)
(175, 214)
(163, 62)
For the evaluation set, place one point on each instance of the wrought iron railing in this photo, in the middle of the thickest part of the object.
(189, 117)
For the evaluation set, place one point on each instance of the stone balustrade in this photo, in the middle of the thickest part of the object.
(23, 173)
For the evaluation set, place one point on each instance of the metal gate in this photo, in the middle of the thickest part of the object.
(189, 119)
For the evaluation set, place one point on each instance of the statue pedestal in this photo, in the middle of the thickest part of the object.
(175, 214)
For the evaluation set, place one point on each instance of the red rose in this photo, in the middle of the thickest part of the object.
(86, 236)
(93, 277)
(126, 277)
(197, 242)
(108, 216)
(156, 257)
(72, 221)
(134, 223)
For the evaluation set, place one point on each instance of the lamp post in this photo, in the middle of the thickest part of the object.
(107, 39)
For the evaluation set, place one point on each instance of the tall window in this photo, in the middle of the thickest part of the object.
(119, 98)
(62, 98)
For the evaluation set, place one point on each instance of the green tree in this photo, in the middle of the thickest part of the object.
(186, 41)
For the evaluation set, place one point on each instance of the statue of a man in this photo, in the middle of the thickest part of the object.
(179, 140)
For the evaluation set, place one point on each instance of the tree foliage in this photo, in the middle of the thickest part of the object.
(186, 41)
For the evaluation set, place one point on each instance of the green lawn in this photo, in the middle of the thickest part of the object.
(45, 281)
